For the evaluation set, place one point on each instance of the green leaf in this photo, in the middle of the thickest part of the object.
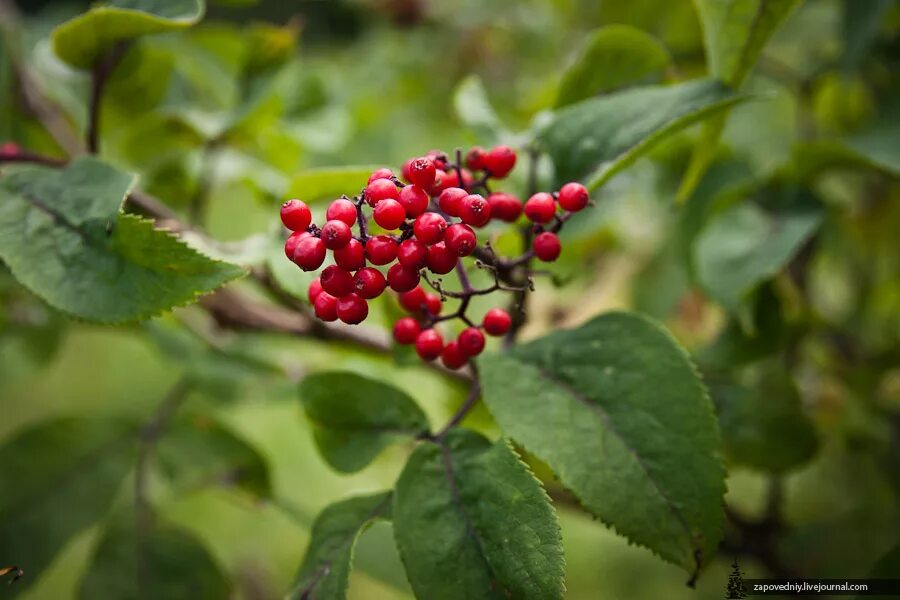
(610, 132)
(615, 56)
(58, 477)
(887, 567)
(744, 245)
(354, 417)
(196, 451)
(472, 522)
(63, 237)
(474, 110)
(329, 556)
(163, 562)
(82, 40)
(328, 183)
(618, 412)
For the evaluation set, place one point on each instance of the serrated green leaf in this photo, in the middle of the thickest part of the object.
(329, 557)
(63, 237)
(617, 410)
(57, 478)
(472, 522)
(614, 56)
(354, 417)
(82, 40)
(607, 134)
(744, 245)
(163, 562)
(328, 183)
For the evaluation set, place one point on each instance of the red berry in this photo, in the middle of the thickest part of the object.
(342, 210)
(547, 246)
(421, 172)
(413, 300)
(406, 330)
(380, 189)
(295, 215)
(337, 281)
(438, 157)
(380, 250)
(496, 321)
(309, 253)
(505, 207)
(290, 244)
(326, 307)
(429, 344)
(412, 254)
(404, 171)
(369, 283)
(352, 309)
(475, 210)
(336, 234)
(450, 200)
(380, 174)
(433, 304)
(452, 357)
(389, 214)
(351, 257)
(500, 161)
(441, 182)
(9, 149)
(475, 158)
(414, 200)
(471, 341)
(460, 239)
(440, 259)
(540, 208)
(449, 179)
(429, 228)
(573, 197)
(402, 279)
(313, 291)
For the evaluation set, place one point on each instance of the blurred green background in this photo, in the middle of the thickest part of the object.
(225, 116)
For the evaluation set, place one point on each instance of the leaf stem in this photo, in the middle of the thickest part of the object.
(103, 68)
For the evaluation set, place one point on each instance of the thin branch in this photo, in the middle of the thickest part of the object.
(461, 412)
(101, 72)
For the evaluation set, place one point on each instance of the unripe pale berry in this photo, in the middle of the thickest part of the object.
(380, 250)
(429, 344)
(351, 257)
(540, 208)
(382, 173)
(336, 234)
(429, 228)
(413, 300)
(341, 210)
(295, 215)
(389, 214)
(496, 321)
(414, 200)
(412, 254)
(475, 210)
(380, 189)
(369, 283)
(505, 207)
(573, 197)
(290, 244)
(402, 279)
(452, 357)
(314, 289)
(422, 172)
(500, 161)
(352, 309)
(450, 199)
(471, 341)
(337, 281)
(326, 307)
(309, 253)
(440, 259)
(460, 239)
(406, 330)
(475, 158)
(547, 246)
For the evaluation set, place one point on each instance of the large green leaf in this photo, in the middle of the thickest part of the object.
(57, 478)
(474, 110)
(746, 244)
(618, 412)
(614, 56)
(82, 40)
(162, 562)
(354, 417)
(328, 183)
(329, 557)
(609, 133)
(63, 237)
(472, 523)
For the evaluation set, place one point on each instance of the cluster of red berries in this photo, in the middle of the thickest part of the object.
(427, 221)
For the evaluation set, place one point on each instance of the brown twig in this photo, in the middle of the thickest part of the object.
(103, 69)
